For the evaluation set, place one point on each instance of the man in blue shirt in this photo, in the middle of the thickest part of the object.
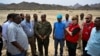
(67, 21)
(28, 28)
(59, 34)
(93, 45)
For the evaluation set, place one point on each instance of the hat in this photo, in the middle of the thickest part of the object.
(59, 16)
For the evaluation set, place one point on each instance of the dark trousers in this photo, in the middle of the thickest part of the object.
(43, 43)
(1, 45)
(84, 45)
(8, 54)
(21, 54)
(71, 48)
(56, 42)
(85, 53)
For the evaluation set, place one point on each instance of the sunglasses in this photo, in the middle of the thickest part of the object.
(73, 19)
(87, 18)
(97, 20)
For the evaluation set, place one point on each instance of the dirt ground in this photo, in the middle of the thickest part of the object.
(51, 16)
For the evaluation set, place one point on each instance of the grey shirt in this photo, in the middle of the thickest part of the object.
(16, 33)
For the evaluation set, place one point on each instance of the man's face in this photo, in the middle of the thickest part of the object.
(11, 19)
(28, 17)
(35, 17)
(43, 17)
(97, 22)
(59, 19)
(82, 16)
(22, 16)
(67, 16)
(18, 19)
(88, 18)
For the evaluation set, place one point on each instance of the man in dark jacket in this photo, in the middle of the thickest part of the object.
(43, 30)
(1, 42)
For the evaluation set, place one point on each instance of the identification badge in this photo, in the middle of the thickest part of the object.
(30, 30)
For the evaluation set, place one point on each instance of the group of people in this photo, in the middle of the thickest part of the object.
(19, 31)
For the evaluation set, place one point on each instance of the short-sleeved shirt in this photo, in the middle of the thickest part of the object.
(66, 23)
(93, 45)
(16, 33)
(59, 32)
(28, 28)
(4, 29)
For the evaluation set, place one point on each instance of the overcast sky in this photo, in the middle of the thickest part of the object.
(59, 2)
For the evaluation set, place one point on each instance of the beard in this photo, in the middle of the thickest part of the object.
(35, 19)
(88, 21)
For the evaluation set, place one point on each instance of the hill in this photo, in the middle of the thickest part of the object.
(31, 6)
(37, 6)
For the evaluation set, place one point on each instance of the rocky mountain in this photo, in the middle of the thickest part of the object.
(96, 6)
(31, 6)
(37, 6)
(77, 5)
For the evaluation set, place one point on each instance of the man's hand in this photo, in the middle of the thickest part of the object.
(40, 37)
(44, 37)
(18, 46)
(22, 50)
